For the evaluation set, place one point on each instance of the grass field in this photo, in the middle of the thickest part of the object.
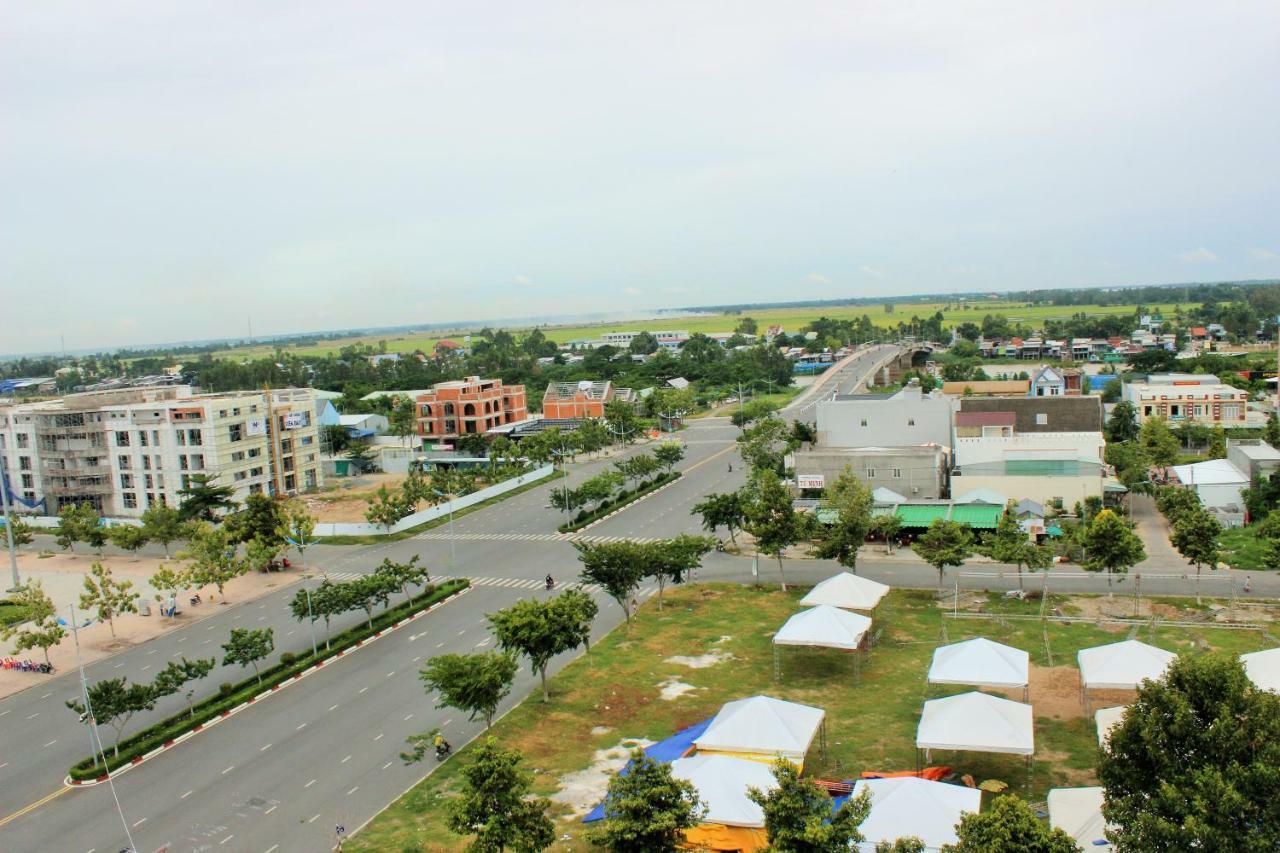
(11, 613)
(791, 319)
(613, 694)
(1243, 549)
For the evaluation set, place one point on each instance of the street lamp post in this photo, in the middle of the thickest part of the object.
(310, 618)
(8, 524)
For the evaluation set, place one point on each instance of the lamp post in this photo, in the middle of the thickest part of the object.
(8, 524)
(310, 618)
(453, 543)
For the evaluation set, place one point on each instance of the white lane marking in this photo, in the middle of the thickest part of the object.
(408, 718)
(388, 764)
(212, 628)
(345, 760)
(225, 840)
(439, 645)
(262, 607)
(147, 667)
(362, 689)
(46, 696)
(379, 737)
(2, 713)
(463, 631)
(391, 673)
(152, 652)
(416, 659)
(182, 639)
(332, 707)
(353, 790)
(33, 716)
(312, 819)
(228, 770)
(309, 784)
(483, 643)
(50, 743)
(300, 727)
(117, 666)
(206, 642)
(187, 794)
(264, 748)
(447, 722)
(291, 632)
(139, 822)
(269, 811)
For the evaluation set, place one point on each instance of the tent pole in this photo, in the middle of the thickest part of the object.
(777, 667)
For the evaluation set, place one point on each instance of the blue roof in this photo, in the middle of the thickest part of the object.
(663, 752)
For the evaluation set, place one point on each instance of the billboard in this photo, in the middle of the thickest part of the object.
(256, 426)
(810, 481)
(295, 420)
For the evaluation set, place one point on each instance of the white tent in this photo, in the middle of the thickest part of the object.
(762, 726)
(976, 722)
(1078, 813)
(1263, 669)
(722, 784)
(1121, 666)
(909, 806)
(846, 590)
(1107, 719)
(824, 626)
(980, 662)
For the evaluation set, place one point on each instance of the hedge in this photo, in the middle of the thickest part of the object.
(137, 745)
(623, 498)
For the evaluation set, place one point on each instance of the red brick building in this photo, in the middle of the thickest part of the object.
(469, 406)
(585, 399)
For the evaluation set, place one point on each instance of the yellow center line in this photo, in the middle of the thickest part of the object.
(37, 804)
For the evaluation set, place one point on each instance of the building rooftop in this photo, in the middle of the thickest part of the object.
(1211, 473)
(974, 419)
(1255, 449)
(569, 390)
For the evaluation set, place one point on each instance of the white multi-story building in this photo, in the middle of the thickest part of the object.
(1201, 398)
(125, 449)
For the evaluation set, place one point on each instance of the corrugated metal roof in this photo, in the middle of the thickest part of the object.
(977, 515)
(922, 516)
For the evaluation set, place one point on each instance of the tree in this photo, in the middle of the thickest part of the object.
(721, 510)
(643, 343)
(1111, 546)
(1159, 442)
(762, 445)
(107, 596)
(403, 575)
(176, 674)
(647, 809)
(74, 521)
(770, 517)
(1176, 501)
(1195, 535)
(326, 601)
(474, 684)
(40, 630)
(672, 559)
(247, 646)
(840, 540)
(127, 537)
(798, 816)
(366, 593)
(621, 419)
(1192, 764)
(618, 567)
(404, 418)
(537, 630)
(386, 508)
(261, 553)
(1217, 443)
(362, 456)
(945, 543)
(162, 523)
(1271, 432)
(201, 498)
(22, 533)
(1112, 391)
(114, 701)
(1122, 426)
(166, 580)
(1008, 826)
(596, 490)
(578, 610)
(495, 805)
(299, 527)
(668, 454)
(747, 326)
(213, 557)
(637, 468)
(263, 518)
(1011, 545)
(886, 527)
(335, 438)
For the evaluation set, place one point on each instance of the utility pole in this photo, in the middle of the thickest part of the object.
(8, 524)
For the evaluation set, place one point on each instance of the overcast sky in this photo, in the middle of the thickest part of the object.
(169, 169)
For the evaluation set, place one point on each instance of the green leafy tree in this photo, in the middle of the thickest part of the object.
(474, 684)
(1122, 426)
(404, 418)
(23, 533)
(74, 521)
(1195, 535)
(763, 444)
(637, 468)
(40, 630)
(495, 805)
(886, 527)
(334, 437)
(114, 701)
(168, 582)
(1175, 501)
(596, 490)
(618, 568)
(1011, 545)
(262, 518)
(798, 816)
(247, 646)
(203, 499)
(177, 674)
(945, 543)
(536, 629)
(1111, 545)
(620, 417)
(259, 554)
(403, 575)
(127, 537)
(669, 454)
(1271, 432)
(643, 343)
(299, 526)
(721, 510)
(106, 596)
(577, 610)
(1159, 442)
(1192, 764)
(1008, 826)
(386, 508)
(366, 593)
(1217, 444)
(1269, 532)
(362, 456)
(325, 602)
(670, 560)
(647, 809)
(212, 557)
(851, 500)
(162, 523)
(770, 517)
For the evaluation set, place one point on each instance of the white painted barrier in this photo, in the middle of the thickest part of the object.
(437, 511)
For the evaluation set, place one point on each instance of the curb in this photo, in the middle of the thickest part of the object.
(170, 744)
(624, 507)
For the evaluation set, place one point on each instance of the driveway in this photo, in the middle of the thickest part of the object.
(1155, 532)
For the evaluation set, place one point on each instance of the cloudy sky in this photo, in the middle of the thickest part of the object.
(170, 169)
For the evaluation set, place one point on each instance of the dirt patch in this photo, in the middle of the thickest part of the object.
(582, 789)
(1055, 692)
(674, 688)
(701, 661)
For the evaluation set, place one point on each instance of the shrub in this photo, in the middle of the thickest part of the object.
(225, 688)
(287, 658)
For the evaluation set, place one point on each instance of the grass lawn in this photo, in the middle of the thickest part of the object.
(11, 613)
(613, 694)
(1243, 549)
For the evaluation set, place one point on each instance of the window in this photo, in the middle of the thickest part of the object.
(238, 456)
(155, 437)
(222, 413)
(871, 473)
(122, 439)
(151, 498)
(911, 421)
(126, 481)
(182, 438)
(255, 452)
(130, 500)
(123, 462)
(864, 421)
(235, 412)
(182, 462)
(290, 483)
(897, 473)
(235, 432)
(186, 482)
(255, 489)
(142, 438)
(1042, 419)
(255, 472)
(24, 441)
(197, 461)
(28, 481)
(240, 475)
(146, 463)
(194, 437)
(160, 481)
(24, 463)
(150, 483)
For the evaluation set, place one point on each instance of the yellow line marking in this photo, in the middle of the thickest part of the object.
(37, 804)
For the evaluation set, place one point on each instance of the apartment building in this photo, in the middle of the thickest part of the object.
(470, 406)
(125, 449)
(1188, 397)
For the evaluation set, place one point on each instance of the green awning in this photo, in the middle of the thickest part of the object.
(921, 515)
(977, 515)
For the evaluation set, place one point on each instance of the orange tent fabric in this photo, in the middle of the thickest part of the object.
(933, 774)
(718, 836)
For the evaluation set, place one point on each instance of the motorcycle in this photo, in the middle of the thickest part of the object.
(719, 544)
(551, 584)
(443, 748)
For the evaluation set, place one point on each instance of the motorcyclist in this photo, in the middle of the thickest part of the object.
(551, 582)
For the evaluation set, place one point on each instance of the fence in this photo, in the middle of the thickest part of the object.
(437, 511)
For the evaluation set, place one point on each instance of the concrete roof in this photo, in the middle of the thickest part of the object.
(1211, 473)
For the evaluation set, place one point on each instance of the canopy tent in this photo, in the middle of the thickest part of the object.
(1107, 719)
(824, 625)
(908, 806)
(1263, 669)
(732, 821)
(1120, 666)
(664, 751)
(846, 590)
(976, 722)
(1078, 813)
(980, 663)
(762, 728)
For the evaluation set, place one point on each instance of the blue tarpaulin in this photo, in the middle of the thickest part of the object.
(663, 752)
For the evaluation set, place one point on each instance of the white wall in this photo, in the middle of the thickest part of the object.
(1039, 489)
(973, 451)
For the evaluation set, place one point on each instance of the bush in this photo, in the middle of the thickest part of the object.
(229, 695)
(287, 658)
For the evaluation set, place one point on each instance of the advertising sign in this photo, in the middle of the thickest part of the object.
(256, 426)
(295, 420)
(810, 481)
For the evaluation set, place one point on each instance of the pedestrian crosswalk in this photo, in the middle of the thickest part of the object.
(508, 583)
(529, 537)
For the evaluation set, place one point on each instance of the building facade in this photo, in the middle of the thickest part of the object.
(908, 417)
(123, 450)
(470, 406)
(585, 399)
(1188, 397)
(914, 472)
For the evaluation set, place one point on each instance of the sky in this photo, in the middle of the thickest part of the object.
(169, 171)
